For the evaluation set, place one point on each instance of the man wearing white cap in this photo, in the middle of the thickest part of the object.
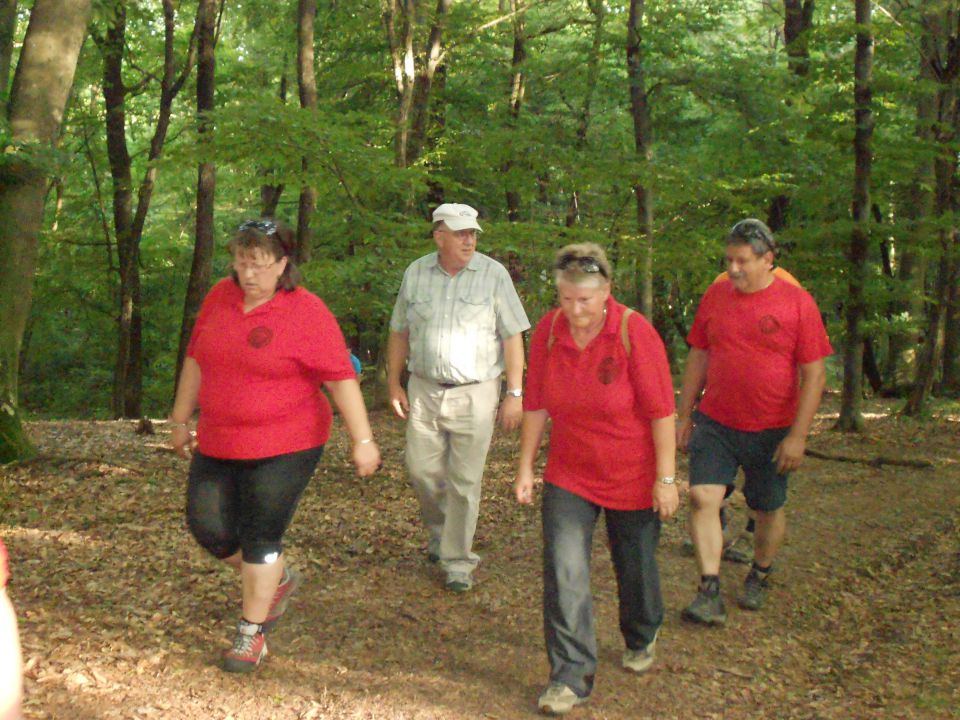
(457, 326)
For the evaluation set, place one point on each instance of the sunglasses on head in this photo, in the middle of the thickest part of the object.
(585, 263)
(267, 227)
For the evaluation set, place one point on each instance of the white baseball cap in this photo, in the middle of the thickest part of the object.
(457, 217)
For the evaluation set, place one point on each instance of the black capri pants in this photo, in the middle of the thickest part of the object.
(246, 505)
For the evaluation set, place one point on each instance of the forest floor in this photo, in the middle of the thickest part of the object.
(122, 616)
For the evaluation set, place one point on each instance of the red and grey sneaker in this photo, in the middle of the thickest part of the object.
(249, 648)
(285, 590)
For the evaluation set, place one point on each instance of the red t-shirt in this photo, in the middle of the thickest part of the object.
(4, 568)
(601, 446)
(755, 343)
(260, 372)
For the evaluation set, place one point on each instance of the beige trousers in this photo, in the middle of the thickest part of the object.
(448, 436)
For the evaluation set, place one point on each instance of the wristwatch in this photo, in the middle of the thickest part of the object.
(668, 479)
(516, 392)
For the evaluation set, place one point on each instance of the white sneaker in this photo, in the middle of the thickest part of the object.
(558, 699)
(639, 661)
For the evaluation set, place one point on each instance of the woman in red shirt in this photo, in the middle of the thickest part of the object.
(599, 373)
(260, 350)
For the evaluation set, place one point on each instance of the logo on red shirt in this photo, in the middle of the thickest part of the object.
(259, 337)
(608, 371)
(769, 325)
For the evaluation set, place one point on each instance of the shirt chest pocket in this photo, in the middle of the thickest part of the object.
(475, 311)
(420, 309)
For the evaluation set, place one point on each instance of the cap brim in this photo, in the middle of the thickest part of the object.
(462, 223)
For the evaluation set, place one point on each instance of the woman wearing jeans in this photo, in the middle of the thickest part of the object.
(599, 373)
(259, 353)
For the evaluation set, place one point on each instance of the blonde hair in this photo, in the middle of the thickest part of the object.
(582, 264)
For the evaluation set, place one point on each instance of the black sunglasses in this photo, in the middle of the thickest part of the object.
(267, 227)
(585, 263)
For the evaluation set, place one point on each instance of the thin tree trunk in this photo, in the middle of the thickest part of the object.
(38, 98)
(950, 383)
(200, 270)
(851, 416)
(8, 26)
(517, 90)
(642, 137)
(423, 86)
(307, 81)
(797, 20)
(270, 194)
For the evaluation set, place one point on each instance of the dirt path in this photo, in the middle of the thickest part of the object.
(123, 617)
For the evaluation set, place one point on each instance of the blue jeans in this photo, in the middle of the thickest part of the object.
(568, 522)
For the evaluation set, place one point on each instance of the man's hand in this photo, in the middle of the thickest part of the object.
(666, 499)
(523, 486)
(684, 430)
(399, 402)
(789, 453)
(511, 413)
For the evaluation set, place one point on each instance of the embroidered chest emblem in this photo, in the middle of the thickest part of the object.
(769, 325)
(259, 337)
(608, 371)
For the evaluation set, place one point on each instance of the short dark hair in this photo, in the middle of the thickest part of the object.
(754, 233)
(271, 237)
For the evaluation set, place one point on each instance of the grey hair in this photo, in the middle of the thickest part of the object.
(754, 233)
(574, 274)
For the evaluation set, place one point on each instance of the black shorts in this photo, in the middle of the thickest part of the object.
(717, 452)
(246, 504)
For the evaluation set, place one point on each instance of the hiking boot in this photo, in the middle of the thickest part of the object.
(639, 661)
(740, 550)
(458, 582)
(558, 699)
(706, 609)
(278, 606)
(249, 648)
(754, 590)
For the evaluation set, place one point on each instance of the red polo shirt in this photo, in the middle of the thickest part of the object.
(261, 371)
(600, 403)
(755, 341)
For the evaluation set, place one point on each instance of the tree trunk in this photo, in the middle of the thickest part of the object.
(797, 20)
(127, 379)
(270, 194)
(851, 416)
(38, 97)
(517, 90)
(200, 270)
(950, 383)
(8, 26)
(307, 81)
(128, 225)
(642, 137)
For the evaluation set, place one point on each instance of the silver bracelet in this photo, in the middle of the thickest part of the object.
(365, 441)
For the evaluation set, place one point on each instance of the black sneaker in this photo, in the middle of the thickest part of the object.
(706, 609)
(754, 590)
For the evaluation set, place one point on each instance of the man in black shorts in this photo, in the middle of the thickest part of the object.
(749, 339)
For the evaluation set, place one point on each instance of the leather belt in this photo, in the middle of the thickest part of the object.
(447, 386)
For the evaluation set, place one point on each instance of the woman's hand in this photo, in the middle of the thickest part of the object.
(183, 440)
(666, 499)
(366, 458)
(523, 486)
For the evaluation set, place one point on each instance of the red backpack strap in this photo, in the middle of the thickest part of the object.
(553, 322)
(624, 333)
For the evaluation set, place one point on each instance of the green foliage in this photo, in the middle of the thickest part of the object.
(732, 129)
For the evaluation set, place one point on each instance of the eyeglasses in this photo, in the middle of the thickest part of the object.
(256, 268)
(267, 227)
(585, 263)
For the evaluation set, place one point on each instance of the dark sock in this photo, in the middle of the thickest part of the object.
(762, 571)
(710, 584)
